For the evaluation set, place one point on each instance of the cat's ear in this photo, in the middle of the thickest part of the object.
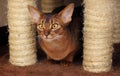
(66, 13)
(36, 15)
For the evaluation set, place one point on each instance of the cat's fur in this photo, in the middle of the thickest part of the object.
(58, 33)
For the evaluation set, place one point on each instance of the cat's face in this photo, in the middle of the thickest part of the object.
(51, 27)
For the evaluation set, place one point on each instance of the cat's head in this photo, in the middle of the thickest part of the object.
(51, 26)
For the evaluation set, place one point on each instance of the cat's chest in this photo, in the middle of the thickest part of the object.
(59, 48)
(58, 44)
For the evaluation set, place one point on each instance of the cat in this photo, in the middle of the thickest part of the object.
(59, 32)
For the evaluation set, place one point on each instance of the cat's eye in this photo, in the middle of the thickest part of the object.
(55, 26)
(40, 26)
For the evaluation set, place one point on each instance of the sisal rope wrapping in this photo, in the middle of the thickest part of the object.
(22, 41)
(116, 34)
(98, 31)
(49, 5)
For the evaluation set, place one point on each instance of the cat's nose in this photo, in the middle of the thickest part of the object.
(46, 33)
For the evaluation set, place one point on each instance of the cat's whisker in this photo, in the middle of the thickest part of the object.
(44, 36)
(60, 36)
(49, 36)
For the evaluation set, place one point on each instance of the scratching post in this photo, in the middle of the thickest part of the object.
(116, 35)
(49, 5)
(22, 42)
(98, 30)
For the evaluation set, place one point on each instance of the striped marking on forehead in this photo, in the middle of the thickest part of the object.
(48, 17)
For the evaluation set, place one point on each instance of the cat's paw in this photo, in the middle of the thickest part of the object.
(66, 63)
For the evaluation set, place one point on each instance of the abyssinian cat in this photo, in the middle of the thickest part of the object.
(58, 33)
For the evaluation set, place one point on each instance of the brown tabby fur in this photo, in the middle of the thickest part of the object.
(58, 38)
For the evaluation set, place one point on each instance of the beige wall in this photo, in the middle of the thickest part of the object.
(3, 12)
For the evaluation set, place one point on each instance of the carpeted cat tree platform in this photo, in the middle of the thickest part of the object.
(22, 58)
(41, 68)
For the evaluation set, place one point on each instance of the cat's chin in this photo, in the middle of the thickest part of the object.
(48, 39)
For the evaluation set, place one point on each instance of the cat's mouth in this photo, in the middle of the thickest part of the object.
(50, 38)
(46, 37)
